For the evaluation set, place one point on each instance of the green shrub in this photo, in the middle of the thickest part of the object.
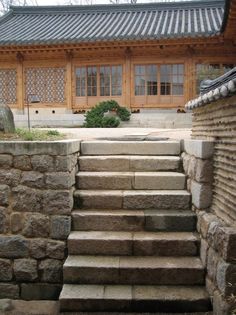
(95, 117)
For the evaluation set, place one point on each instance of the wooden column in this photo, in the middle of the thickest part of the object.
(127, 85)
(20, 82)
(190, 75)
(69, 93)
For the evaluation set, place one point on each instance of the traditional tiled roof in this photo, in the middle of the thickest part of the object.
(213, 90)
(76, 24)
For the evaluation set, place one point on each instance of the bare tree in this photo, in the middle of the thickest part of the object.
(5, 4)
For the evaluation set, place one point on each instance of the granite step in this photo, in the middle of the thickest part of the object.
(130, 180)
(89, 269)
(98, 147)
(126, 163)
(132, 199)
(133, 220)
(137, 298)
(133, 243)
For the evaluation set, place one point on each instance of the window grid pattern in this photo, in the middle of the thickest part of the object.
(8, 85)
(155, 79)
(108, 76)
(47, 83)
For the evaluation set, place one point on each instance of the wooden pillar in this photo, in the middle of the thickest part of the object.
(69, 74)
(127, 85)
(190, 75)
(20, 82)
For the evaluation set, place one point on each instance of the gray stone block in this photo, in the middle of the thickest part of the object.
(62, 147)
(5, 270)
(32, 179)
(36, 225)
(212, 261)
(13, 246)
(42, 163)
(60, 180)
(4, 195)
(50, 270)
(22, 162)
(226, 278)
(25, 269)
(201, 195)
(10, 177)
(65, 163)
(40, 291)
(202, 149)
(17, 222)
(56, 249)
(204, 171)
(60, 227)
(26, 199)
(9, 291)
(4, 220)
(38, 248)
(57, 201)
(6, 161)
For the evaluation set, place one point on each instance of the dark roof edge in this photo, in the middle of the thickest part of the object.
(226, 15)
(115, 7)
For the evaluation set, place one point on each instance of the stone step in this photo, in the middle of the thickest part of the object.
(133, 220)
(132, 199)
(125, 298)
(130, 180)
(133, 270)
(133, 243)
(129, 163)
(99, 147)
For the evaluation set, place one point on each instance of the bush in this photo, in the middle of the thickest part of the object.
(95, 117)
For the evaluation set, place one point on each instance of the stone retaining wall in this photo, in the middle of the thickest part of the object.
(36, 198)
(218, 238)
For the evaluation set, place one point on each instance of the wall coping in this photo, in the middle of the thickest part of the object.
(61, 147)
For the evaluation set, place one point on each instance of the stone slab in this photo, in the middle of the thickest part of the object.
(62, 147)
(202, 149)
(130, 147)
(201, 195)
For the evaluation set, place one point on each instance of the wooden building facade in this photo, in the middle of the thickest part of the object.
(143, 55)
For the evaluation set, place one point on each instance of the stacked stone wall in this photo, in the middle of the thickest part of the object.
(218, 238)
(217, 121)
(36, 198)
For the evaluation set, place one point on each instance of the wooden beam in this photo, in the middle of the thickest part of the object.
(20, 82)
(127, 85)
(68, 87)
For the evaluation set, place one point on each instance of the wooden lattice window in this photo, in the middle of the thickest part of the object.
(8, 86)
(47, 83)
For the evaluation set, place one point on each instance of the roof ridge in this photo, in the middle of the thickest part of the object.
(115, 7)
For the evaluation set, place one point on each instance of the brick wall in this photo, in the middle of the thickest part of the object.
(36, 199)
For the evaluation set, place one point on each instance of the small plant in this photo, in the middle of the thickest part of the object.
(95, 118)
(38, 135)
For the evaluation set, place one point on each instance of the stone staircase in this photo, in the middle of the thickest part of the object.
(133, 245)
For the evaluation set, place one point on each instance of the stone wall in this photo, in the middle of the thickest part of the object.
(218, 238)
(36, 199)
(217, 121)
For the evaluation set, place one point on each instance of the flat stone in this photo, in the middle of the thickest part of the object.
(42, 163)
(36, 225)
(202, 149)
(212, 261)
(10, 177)
(170, 220)
(6, 305)
(203, 251)
(94, 199)
(61, 147)
(204, 171)
(154, 163)
(56, 249)
(226, 278)
(4, 220)
(159, 180)
(201, 195)
(130, 147)
(156, 199)
(100, 243)
(60, 226)
(13, 246)
(26, 199)
(104, 163)
(17, 222)
(38, 247)
(9, 291)
(25, 269)
(104, 180)
(66, 163)
(108, 220)
(5, 270)
(40, 291)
